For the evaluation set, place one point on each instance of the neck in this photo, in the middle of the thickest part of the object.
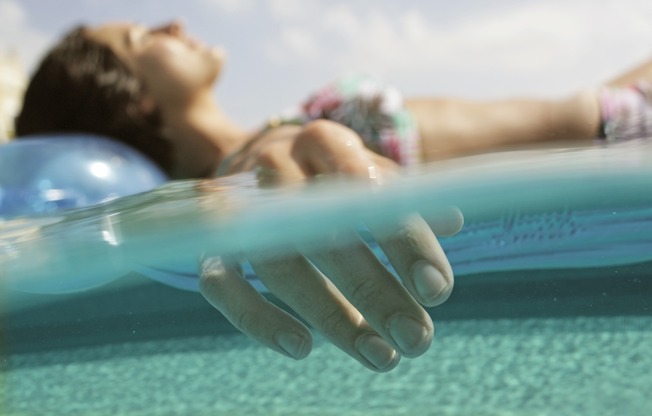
(203, 136)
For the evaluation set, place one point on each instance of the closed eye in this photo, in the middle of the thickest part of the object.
(136, 36)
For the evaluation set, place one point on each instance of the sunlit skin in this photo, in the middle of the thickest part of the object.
(172, 65)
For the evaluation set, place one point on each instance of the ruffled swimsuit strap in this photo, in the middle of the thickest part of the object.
(626, 112)
(370, 107)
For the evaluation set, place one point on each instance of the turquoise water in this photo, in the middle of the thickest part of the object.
(565, 343)
(543, 209)
(550, 314)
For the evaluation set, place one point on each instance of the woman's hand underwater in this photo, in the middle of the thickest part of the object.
(342, 290)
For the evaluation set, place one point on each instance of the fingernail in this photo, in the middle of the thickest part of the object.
(429, 282)
(411, 337)
(377, 352)
(292, 343)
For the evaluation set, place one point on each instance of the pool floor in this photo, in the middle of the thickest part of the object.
(518, 343)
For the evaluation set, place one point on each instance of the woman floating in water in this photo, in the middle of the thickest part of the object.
(152, 89)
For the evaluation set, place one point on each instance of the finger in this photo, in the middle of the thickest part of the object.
(272, 169)
(445, 221)
(415, 254)
(376, 293)
(385, 163)
(225, 288)
(304, 289)
(271, 159)
(328, 147)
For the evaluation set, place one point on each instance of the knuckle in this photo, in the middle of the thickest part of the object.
(318, 128)
(212, 274)
(365, 293)
(242, 319)
(330, 134)
(270, 148)
(268, 158)
(331, 321)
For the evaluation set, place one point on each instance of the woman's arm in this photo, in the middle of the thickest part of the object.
(454, 127)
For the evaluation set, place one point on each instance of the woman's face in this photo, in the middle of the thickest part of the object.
(172, 66)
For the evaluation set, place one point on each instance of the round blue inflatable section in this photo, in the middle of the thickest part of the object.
(41, 175)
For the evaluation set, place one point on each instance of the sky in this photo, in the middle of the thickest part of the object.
(279, 51)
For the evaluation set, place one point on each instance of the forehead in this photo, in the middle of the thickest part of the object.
(115, 35)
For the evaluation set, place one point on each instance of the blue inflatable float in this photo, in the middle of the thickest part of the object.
(42, 175)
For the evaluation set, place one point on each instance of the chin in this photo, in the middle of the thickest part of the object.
(214, 78)
(218, 55)
(217, 65)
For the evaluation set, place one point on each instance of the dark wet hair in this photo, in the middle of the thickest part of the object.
(81, 86)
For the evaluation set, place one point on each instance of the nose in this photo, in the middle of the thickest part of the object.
(173, 28)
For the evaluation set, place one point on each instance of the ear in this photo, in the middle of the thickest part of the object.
(147, 105)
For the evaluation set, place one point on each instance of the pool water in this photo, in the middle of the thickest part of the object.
(551, 312)
(550, 342)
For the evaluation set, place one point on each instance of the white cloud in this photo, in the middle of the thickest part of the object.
(541, 47)
(232, 6)
(342, 20)
(12, 14)
(18, 36)
(291, 9)
(415, 26)
(493, 41)
(293, 44)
